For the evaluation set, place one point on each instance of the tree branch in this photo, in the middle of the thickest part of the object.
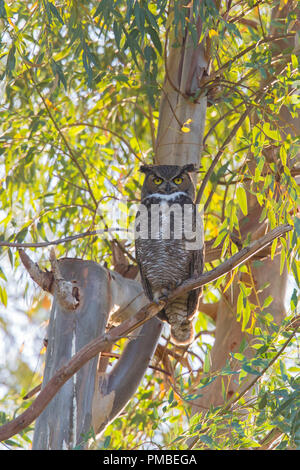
(236, 260)
(60, 240)
(44, 279)
(67, 292)
(103, 342)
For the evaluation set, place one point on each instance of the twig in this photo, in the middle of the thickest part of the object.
(270, 438)
(33, 392)
(220, 152)
(246, 50)
(61, 240)
(117, 356)
(106, 129)
(236, 260)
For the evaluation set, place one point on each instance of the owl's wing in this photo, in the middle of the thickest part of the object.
(144, 280)
(196, 268)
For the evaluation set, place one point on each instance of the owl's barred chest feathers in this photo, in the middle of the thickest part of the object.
(163, 252)
(158, 249)
(156, 256)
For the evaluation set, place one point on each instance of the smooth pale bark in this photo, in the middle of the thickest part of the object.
(183, 106)
(82, 401)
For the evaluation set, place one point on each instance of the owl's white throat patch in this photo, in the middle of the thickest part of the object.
(166, 197)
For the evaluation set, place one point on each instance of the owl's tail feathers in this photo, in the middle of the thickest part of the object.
(182, 332)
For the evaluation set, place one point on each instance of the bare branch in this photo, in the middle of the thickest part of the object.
(236, 260)
(52, 281)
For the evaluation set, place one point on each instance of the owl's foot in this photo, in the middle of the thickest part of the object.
(161, 295)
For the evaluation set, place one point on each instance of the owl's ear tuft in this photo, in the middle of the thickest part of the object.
(145, 169)
(190, 168)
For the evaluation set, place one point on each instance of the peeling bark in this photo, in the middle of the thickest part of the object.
(68, 418)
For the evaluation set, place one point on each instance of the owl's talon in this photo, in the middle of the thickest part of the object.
(163, 297)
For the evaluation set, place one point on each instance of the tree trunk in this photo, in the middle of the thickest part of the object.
(182, 104)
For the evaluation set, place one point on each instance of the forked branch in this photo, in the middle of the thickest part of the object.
(103, 342)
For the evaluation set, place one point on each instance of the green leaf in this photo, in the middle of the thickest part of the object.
(206, 439)
(294, 299)
(250, 370)
(282, 260)
(21, 235)
(263, 401)
(267, 302)
(155, 39)
(2, 275)
(273, 248)
(272, 134)
(283, 371)
(171, 396)
(55, 12)
(3, 13)
(242, 199)
(3, 296)
(41, 231)
(139, 14)
(206, 365)
(294, 60)
(117, 29)
(106, 442)
(11, 61)
(57, 70)
(297, 225)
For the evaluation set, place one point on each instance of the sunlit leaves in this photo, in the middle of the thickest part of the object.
(242, 199)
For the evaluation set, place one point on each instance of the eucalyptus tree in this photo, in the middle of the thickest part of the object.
(90, 91)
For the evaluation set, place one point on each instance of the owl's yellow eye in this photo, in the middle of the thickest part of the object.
(178, 180)
(157, 180)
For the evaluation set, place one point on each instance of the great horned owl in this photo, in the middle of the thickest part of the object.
(169, 243)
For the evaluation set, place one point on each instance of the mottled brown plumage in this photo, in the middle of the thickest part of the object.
(165, 255)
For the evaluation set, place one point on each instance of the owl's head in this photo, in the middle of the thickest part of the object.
(168, 179)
